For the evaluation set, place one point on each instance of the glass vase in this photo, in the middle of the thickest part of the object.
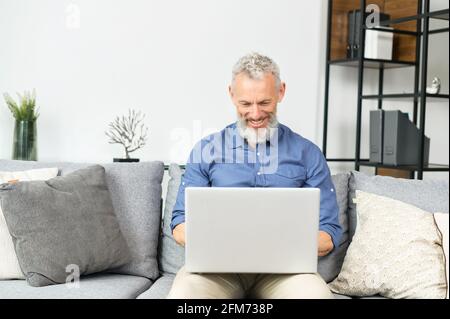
(25, 141)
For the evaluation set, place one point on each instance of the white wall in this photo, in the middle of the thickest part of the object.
(172, 60)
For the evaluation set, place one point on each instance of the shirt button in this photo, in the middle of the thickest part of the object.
(259, 173)
(258, 154)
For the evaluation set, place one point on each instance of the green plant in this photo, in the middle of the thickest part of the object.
(25, 109)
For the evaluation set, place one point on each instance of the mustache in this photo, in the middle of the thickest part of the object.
(273, 121)
(242, 123)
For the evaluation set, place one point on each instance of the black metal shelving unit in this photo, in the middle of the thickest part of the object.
(419, 96)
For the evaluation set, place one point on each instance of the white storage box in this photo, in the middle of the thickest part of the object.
(379, 44)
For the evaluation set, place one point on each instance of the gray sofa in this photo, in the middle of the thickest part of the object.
(136, 190)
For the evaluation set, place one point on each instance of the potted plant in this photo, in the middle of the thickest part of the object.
(130, 132)
(25, 130)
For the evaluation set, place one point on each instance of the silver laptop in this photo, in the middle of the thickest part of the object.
(252, 230)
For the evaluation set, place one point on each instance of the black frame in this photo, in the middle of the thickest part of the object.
(419, 95)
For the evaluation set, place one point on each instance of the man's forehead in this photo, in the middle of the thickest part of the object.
(245, 84)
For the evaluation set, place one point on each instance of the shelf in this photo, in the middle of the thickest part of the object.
(440, 15)
(410, 33)
(438, 31)
(432, 97)
(410, 27)
(373, 64)
(340, 160)
(395, 31)
(366, 162)
(404, 40)
(428, 168)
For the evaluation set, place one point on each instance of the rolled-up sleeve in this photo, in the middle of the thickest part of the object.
(195, 175)
(318, 176)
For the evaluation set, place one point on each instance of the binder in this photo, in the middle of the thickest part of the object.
(354, 25)
(376, 136)
(356, 33)
(402, 140)
(351, 34)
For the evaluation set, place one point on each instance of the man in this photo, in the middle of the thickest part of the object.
(256, 90)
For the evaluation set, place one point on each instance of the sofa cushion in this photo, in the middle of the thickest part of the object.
(171, 257)
(66, 220)
(99, 286)
(430, 195)
(338, 296)
(396, 252)
(172, 254)
(373, 297)
(160, 289)
(330, 265)
(136, 195)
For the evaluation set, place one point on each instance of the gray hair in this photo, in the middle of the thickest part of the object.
(255, 65)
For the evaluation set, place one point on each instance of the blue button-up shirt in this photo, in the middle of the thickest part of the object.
(299, 163)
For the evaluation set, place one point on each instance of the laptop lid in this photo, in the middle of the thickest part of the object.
(252, 230)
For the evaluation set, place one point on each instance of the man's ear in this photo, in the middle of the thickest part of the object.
(281, 92)
(230, 91)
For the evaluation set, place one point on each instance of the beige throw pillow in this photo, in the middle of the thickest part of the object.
(396, 252)
(442, 224)
(9, 265)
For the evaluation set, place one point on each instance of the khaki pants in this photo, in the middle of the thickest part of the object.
(235, 286)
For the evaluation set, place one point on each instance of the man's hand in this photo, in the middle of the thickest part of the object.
(325, 243)
(178, 234)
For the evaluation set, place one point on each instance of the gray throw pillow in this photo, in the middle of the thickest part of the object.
(429, 195)
(135, 190)
(62, 222)
(172, 254)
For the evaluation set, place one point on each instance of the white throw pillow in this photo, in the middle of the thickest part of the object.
(396, 252)
(9, 265)
(442, 223)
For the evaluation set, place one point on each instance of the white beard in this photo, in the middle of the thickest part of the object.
(257, 136)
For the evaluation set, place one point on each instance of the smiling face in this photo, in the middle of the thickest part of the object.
(256, 100)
